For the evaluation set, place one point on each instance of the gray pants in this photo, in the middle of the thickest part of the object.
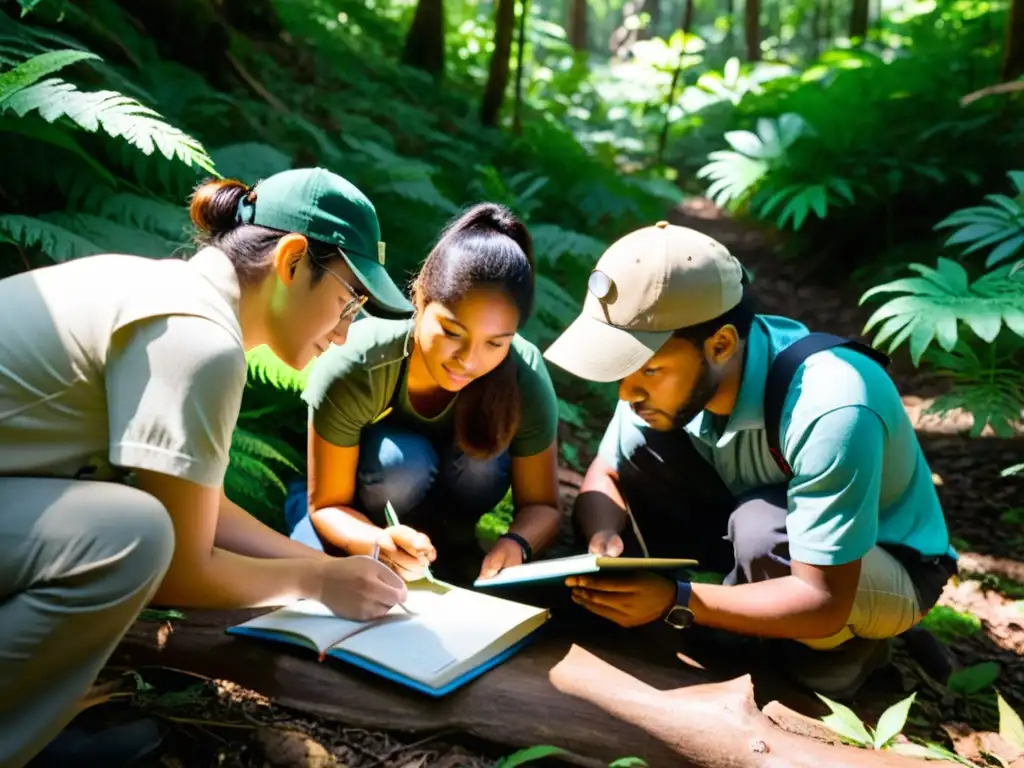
(78, 561)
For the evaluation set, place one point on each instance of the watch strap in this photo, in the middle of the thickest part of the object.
(523, 545)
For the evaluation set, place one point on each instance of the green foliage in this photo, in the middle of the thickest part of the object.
(493, 524)
(879, 145)
(541, 751)
(973, 679)
(254, 482)
(999, 225)
(984, 366)
(887, 733)
(949, 625)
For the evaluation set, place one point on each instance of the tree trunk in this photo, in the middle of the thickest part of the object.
(424, 43)
(1013, 56)
(497, 78)
(517, 111)
(653, 9)
(598, 702)
(730, 31)
(752, 25)
(577, 24)
(859, 19)
(257, 20)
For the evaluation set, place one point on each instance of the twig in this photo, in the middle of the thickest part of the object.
(1010, 87)
(253, 83)
(205, 723)
(406, 747)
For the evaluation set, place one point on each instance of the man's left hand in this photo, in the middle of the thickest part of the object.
(503, 554)
(629, 601)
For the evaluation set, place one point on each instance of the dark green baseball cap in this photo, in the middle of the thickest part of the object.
(325, 207)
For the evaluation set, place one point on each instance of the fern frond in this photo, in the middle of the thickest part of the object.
(146, 213)
(552, 242)
(113, 237)
(55, 241)
(934, 304)
(998, 226)
(39, 130)
(36, 68)
(119, 116)
(266, 367)
(256, 447)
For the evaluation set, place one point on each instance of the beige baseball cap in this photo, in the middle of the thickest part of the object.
(647, 285)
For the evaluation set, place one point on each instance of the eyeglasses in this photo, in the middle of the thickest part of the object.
(354, 304)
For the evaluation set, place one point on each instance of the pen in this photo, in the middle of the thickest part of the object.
(392, 517)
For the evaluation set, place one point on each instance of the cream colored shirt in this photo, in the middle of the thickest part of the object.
(112, 363)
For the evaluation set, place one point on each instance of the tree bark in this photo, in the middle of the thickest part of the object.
(577, 24)
(424, 43)
(595, 697)
(752, 25)
(859, 19)
(517, 112)
(1013, 55)
(497, 77)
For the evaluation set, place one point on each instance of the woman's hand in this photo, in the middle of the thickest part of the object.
(503, 554)
(359, 587)
(407, 550)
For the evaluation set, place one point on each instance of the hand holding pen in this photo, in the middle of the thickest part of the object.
(405, 549)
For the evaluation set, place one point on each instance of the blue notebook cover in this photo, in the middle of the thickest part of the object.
(389, 674)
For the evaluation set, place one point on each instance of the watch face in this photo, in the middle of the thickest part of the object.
(679, 617)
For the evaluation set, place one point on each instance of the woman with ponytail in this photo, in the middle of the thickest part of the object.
(440, 415)
(121, 379)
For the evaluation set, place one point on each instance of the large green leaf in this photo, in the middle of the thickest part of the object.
(36, 68)
(1011, 728)
(55, 241)
(891, 723)
(998, 226)
(118, 115)
(932, 306)
(844, 722)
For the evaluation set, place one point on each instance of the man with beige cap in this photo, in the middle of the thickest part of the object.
(780, 457)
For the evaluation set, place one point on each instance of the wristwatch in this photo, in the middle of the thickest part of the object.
(679, 616)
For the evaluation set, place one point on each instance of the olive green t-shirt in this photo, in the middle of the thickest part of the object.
(364, 380)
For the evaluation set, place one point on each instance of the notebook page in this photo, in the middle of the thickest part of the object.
(542, 569)
(444, 629)
(309, 619)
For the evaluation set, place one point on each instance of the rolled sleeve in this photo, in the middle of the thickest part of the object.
(174, 390)
(833, 496)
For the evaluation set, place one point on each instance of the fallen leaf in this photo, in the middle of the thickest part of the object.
(293, 749)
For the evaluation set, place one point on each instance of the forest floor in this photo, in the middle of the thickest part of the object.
(977, 502)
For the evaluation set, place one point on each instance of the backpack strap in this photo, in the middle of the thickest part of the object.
(780, 375)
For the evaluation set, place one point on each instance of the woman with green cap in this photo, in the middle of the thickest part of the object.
(121, 379)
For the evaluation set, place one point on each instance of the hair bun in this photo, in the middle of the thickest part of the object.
(214, 205)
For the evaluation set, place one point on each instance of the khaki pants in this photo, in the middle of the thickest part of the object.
(885, 604)
(78, 561)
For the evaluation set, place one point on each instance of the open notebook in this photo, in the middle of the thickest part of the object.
(447, 637)
(559, 568)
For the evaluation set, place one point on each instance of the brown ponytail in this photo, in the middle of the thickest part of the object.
(486, 246)
(214, 209)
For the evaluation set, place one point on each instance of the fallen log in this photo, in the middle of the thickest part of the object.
(599, 696)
